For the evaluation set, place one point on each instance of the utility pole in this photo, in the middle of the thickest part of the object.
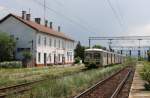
(130, 52)
(89, 43)
(110, 42)
(139, 51)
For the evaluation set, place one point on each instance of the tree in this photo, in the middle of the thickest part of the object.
(7, 47)
(99, 47)
(79, 51)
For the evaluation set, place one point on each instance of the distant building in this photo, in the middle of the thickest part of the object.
(46, 45)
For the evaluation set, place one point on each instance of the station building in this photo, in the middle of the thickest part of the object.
(48, 46)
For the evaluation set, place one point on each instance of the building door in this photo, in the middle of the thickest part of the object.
(45, 59)
(63, 59)
(54, 58)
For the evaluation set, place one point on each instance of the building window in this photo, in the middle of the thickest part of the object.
(39, 40)
(71, 58)
(59, 44)
(50, 42)
(59, 57)
(50, 59)
(39, 57)
(23, 49)
(67, 56)
(55, 43)
(62, 44)
(45, 41)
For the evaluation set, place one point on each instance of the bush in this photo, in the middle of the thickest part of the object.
(12, 64)
(77, 60)
(145, 73)
(27, 55)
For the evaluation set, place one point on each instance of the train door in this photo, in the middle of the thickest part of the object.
(63, 59)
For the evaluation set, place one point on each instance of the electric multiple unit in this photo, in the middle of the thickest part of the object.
(100, 58)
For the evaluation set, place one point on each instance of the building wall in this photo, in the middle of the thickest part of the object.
(56, 49)
(22, 33)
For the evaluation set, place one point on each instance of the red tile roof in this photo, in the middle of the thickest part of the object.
(39, 27)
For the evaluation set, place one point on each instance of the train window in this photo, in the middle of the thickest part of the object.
(96, 55)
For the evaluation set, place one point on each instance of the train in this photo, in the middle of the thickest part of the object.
(101, 58)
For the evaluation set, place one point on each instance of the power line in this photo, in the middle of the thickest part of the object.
(115, 14)
(120, 13)
(67, 18)
(78, 18)
(58, 2)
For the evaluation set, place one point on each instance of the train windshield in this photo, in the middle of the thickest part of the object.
(97, 55)
(88, 55)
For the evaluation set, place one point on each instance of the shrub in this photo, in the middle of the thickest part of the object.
(27, 55)
(145, 73)
(12, 64)
(77, 60)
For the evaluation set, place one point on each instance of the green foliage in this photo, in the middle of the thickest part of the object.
(71, 85)
(99, 47)
(27, 55)
(79, 51)
(77, 60)
(148, 54)
(141, 59)
(7, 47)
(145, 73)
(11, 76)
(12, 64)
(130, 61)
(147, 86)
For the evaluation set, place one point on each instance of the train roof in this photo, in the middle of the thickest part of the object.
(94, 49)
(101, 50)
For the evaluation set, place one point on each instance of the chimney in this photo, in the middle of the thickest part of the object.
(51, 25)
(38, 20)
(46, 23)
(28, 17)
(58, 28)
(23, 14)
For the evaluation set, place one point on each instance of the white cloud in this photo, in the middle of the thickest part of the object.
(2, 8)
(142, 30)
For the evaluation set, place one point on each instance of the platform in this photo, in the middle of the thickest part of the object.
(137, 88)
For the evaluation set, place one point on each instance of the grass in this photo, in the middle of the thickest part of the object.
(68, 86)
(145, 74)
(22, 75)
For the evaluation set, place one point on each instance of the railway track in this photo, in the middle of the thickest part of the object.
(20, 88)
(109, 87)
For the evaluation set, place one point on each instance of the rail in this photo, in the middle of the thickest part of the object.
(114, 95)
(97, 84)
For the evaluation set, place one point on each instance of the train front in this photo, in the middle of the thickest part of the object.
(92, 58)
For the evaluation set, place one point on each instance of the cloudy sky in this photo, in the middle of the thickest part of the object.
(83, 18)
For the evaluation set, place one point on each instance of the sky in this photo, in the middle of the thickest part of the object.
(81, 19)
